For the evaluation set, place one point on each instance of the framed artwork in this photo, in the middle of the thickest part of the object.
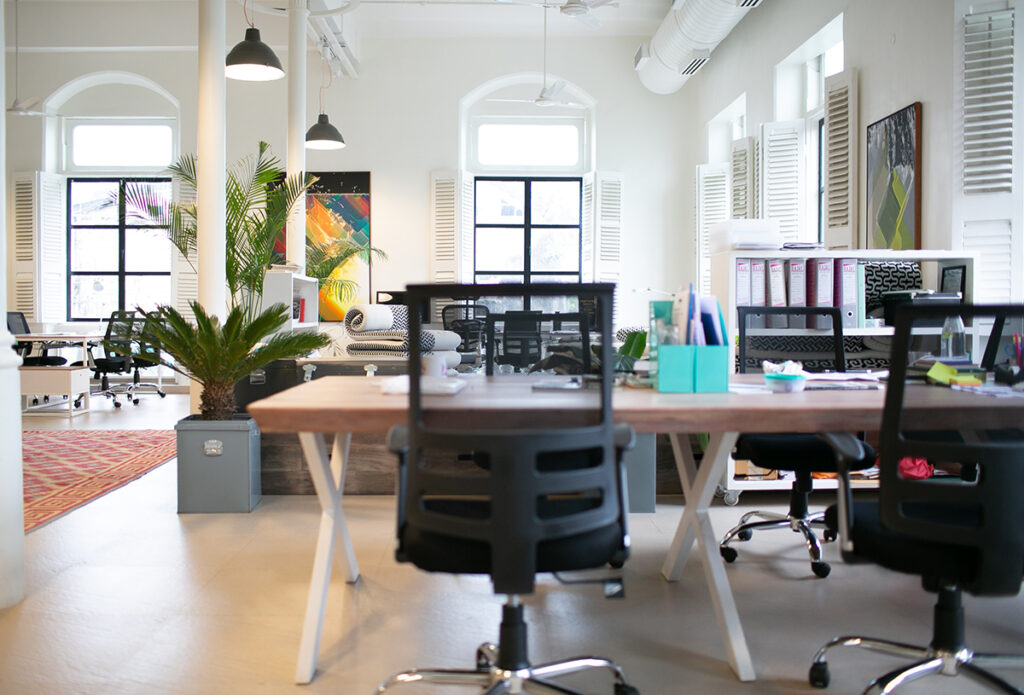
(338, 208)
(894, 180)
(954, 279)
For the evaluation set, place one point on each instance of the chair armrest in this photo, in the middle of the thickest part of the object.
(625, 437)
(398, 439)
(847, 448)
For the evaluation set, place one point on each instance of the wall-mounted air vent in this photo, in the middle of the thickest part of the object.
(747, 3)
(695, 61)
(642, 55)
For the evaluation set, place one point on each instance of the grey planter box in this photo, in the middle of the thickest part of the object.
(218, 464)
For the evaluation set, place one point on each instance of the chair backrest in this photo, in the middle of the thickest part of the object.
(17, 325)
(982, 512)
(520, 338)
(117, 340)
(818, 352)
(544, 497)
(468, 320)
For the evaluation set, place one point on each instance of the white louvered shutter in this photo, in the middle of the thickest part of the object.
(184, 278)
(988, 217)
(40, 256)
(587, 229)
(758, 178)
(988, 53)
(467, 248)
(840, 164)
(742, 191)
(782, 150)
(712, 208)
(608, 231)
(444, 227)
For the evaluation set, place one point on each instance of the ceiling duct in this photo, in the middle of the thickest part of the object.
(685, 40)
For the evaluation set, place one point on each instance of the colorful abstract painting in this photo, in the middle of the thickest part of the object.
(894, 180)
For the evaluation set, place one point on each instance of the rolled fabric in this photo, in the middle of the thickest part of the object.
(376, 317)
(430, 340)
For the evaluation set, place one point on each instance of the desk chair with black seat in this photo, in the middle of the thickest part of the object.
(146, 355)
(468, 320)
(117, 357)
(545, 497)
(17, 325)
(957, 533)
(801, 454)
(520, 338)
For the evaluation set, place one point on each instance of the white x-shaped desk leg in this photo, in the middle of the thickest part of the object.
(699, 488)
(329, 480)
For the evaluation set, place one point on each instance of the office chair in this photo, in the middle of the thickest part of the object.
(520, 338)
(117, 358)
(468, 320)
(957, 534)
(802, 454)
(145, 356)
(550, 499)
(17, 325)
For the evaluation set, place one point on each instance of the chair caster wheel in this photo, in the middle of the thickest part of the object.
(830, 536)
(728, 554)
(617, 564)
(46, 399)
(625, 689)
(745, 535)
(162, 394)
(818, 675)
(731, 498)
(486, 655)
(35, 401)
(78, 403)
(135, 401)
(821, 569)
(117, 404)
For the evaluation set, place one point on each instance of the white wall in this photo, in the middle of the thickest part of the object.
(904, 52)
(400, 121)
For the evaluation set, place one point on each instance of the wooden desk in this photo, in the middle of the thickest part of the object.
(86, 340)
(344, 405)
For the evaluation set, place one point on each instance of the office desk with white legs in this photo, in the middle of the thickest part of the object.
(71, 381)
(344, 405)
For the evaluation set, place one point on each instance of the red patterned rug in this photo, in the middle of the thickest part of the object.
(64, 469)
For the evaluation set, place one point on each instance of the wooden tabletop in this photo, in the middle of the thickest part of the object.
(356, 404)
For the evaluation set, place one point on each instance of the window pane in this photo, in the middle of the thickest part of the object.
(94, 249)
(555, 249)
(147, 250)
(145, 202)
(126, 145)
(534, 144)
(550, 305)
(555, 202)
(146, 291)
(499, 249)
(499, 305)
(93, 296)
(94, 202)
(500, 202)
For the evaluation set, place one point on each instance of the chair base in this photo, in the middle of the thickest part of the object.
(505, 668)
(772, 520)
(946, 656)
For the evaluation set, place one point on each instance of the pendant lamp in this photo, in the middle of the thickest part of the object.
(322, 135)
(251, 59)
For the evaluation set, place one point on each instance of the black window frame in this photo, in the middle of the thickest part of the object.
(527, 226)
(122, 227)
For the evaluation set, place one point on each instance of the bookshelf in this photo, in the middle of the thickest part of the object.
(723, 284)
(286, 286)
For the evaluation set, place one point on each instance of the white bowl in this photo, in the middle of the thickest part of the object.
(785, 383)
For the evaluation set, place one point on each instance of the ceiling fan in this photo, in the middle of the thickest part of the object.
(549, 93)
(29, 106)
(577, 9)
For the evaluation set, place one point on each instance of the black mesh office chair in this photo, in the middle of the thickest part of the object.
(545, 499)
(117, 358)
(468, 320)
(145, 356)
(17, 325)
(802, 454)
(520, 338)
(958, 533)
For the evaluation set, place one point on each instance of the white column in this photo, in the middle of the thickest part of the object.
(296, 228)
(212, 157)
(12, 509)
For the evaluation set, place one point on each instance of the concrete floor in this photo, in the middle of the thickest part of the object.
(127, 596)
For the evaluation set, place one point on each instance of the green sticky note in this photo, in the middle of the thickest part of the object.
(940, 373)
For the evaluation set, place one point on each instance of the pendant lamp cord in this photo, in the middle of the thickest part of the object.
(330, 77)
(17, 50)
(245, 12)
(544, 85)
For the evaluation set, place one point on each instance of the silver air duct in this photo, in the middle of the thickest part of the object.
(685, 39)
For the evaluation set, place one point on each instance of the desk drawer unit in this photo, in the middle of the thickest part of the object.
(64, 381)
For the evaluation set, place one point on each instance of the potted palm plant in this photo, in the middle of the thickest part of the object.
(219, 450)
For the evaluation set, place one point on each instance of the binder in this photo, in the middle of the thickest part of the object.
(845, 292)
(796, 287)
(757, 291)
(776, 291)
(862, 312)
(742, 291)
(819, 289)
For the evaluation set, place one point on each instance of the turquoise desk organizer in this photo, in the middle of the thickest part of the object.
(687, 368)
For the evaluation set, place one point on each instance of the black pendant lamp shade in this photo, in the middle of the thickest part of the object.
(253, 60)
(323, 136)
